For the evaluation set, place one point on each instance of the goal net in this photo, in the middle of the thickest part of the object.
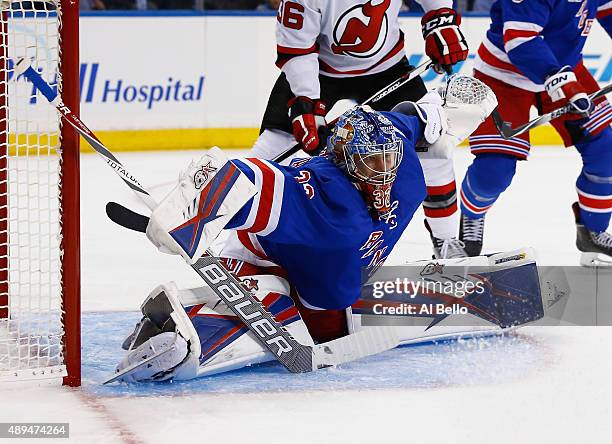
(36, 180)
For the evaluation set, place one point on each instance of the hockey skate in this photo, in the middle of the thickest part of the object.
(596, 247)
(471, 233)
(451, 248)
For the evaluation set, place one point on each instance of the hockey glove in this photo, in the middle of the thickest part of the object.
(444, 41)
(429, 110)
(308, 123)
(563, 86)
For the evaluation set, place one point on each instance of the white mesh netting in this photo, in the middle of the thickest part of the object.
(30, 260)
(466, 89)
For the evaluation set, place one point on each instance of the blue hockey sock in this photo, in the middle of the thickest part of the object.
(486, 178)
(594, 184)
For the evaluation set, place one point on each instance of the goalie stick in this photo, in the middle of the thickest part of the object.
(296, 357)
(407, 77)
(507, 132)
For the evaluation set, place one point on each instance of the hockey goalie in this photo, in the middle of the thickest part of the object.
(300, 235)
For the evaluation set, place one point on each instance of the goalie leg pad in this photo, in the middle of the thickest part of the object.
(512, 297)
(226, 343)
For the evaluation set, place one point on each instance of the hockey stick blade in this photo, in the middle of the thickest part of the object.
(503, 127)
(367, 342)
(126, 218)
(507, 132)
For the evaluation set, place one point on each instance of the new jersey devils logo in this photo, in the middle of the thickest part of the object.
(361, 31)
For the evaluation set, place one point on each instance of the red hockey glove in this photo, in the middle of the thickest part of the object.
(308, 123)
(444, 41)
(564, 87)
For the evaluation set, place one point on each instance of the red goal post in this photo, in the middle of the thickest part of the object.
(39, 196)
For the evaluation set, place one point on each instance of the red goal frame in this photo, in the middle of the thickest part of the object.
(69, 189)
(70, 194)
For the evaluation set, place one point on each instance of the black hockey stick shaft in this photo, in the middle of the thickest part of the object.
(507, 132)
(384, 92)
(296, 357)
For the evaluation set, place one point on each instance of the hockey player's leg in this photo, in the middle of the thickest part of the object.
(486, 178)
(483, 182)
(468, 103)
(594, 187)
(164, 344)
(271, 143)
(440, 207)
(275, 135)
(592, 137)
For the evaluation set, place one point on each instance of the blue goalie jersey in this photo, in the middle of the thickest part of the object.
(531, 39)
(310, 219)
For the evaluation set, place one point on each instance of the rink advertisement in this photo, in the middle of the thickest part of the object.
(195, 84)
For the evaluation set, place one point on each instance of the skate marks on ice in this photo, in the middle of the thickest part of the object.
(468, 362)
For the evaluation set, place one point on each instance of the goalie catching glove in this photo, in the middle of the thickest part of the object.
(207, 196)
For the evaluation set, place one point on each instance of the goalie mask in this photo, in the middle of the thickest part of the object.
(363, 143)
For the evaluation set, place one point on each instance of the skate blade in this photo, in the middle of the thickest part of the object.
(594, 260)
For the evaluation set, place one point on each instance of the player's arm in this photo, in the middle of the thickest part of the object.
(445, 123)
(290, 206)
(297, 29)
(444, 41)
(422, 122)
(250, 195)
(529, 52)
(604, 15)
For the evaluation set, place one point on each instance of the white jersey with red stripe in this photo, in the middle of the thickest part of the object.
(310, 220)
(340, 38)
(530, 40)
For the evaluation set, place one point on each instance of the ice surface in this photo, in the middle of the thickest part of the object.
(451, 363)
(540, 385)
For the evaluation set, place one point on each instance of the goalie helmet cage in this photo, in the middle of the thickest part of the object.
(39, 196)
